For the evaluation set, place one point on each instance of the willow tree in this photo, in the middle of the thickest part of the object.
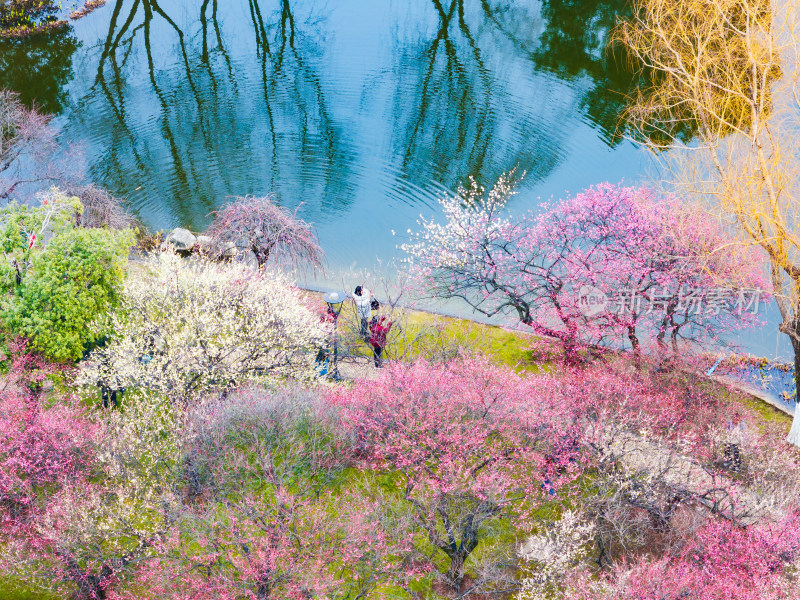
(728, 68)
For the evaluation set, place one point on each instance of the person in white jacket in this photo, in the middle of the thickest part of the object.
(363, 299)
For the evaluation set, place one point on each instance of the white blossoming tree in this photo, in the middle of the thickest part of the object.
(186, 328)
(551, 554)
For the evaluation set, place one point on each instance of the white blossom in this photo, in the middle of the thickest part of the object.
(553, 552)
(188, 327)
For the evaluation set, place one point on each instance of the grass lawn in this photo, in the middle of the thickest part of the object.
(14, 590)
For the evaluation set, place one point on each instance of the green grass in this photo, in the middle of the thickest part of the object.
(11, 589)
(425, 335)
(766, 412)
(507, 347)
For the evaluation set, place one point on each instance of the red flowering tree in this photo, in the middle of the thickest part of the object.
(42, 449)
(651, 267)
(472, 447)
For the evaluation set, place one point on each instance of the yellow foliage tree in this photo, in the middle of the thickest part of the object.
(728, 68)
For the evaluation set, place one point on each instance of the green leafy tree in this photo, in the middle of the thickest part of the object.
(56, 277)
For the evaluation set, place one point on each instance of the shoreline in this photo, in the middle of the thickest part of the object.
(753, 391)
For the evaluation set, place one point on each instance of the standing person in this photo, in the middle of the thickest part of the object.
(323, 354)
(379, 330)
(363, 300)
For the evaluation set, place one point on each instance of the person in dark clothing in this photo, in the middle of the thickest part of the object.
(322, 360)
(109, 396)
(378, 331)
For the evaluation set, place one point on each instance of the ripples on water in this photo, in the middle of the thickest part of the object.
(361, 112)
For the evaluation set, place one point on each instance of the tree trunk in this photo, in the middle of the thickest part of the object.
(455, 572)
(93, 586)
(571, 354)
(635, 345)
(794, 434)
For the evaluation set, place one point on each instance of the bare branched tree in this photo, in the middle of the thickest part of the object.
(101, 209)
(270, 231)
(25, 140)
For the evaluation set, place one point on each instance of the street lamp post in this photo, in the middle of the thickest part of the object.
(334, 300)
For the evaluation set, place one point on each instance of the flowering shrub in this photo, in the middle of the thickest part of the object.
(475, 445)
(260, 226)
(668, 519)
(284, 546)
(286, 425)
(552, 552)
(612, 400)
(100, 496)
(185, 328)
(42, 449)
(47, 461)
(268, 513)
(656, 443)
(596, 482)
(721, 562)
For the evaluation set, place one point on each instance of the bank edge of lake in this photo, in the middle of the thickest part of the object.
(509, 346)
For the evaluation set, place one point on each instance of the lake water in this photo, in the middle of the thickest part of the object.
(359, 112)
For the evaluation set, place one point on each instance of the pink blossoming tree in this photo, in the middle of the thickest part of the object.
(472, 447)
(42, 449)
(261, 519)
(283, 546)
(258, 225)
(654, 268)
(721, 562)
(82, 498)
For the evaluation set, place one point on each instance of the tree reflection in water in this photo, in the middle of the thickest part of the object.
(469, 86)
(212, 138)
(575, 45)
(198, 100)
(487, 60)
(38, 67)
